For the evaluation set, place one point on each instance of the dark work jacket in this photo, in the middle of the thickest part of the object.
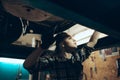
(61, 68)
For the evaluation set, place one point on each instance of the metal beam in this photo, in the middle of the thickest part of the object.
(15, 51)
(107, 42)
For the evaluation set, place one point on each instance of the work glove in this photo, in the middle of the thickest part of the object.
(47, 40)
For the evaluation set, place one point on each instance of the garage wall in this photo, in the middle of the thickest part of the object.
(98, 67)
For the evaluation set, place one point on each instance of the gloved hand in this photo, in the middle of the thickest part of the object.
(47, 40)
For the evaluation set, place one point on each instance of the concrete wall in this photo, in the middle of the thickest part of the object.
(97, 68)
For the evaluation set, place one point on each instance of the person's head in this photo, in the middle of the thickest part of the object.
(65, 42)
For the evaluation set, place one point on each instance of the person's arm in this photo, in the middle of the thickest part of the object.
(93, 40)
(31, 60)
(89, 47)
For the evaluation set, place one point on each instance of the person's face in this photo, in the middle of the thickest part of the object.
(69, 42)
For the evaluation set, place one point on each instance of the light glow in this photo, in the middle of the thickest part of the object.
(11, 60)
(83, 34)
(82, 41)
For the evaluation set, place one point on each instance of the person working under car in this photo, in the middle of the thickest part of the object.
(65, 63)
